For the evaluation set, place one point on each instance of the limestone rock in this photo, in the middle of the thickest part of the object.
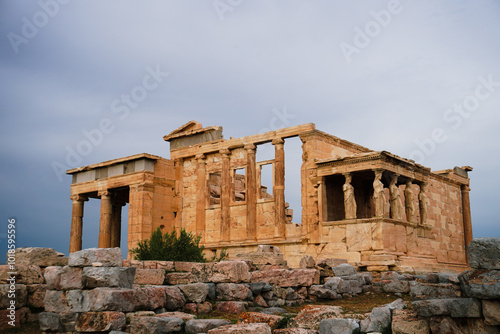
(295, 330)
(63, 278)
(100, 321)
(42, 257)
(322, 292)
(344, 269)
(396, 286)
(311, 315)
(259, 287)
(231, 307)
(49, 321)
(307, 262)
(287, 278)
(336, 284)
(179, 278)
(274, 310)
(255, 317)
(107, 257)
(103, 299)
(433, 307)
(20, 291)
(157, 325)
(195, 292)
(181, 315)
(338, 326)
(484, 253)
(465, 308)
(25, 274)
(378, 321)
(149, 276)
(174, 298)
(232, 291)
(420, 290)
(481, 283)
(330, 262)
(36, 295)
(491, 312)
(114, 277)
(56, 301)
(407, 321)
(242, 329)
(197, 326)
(150, 297)
(230, 272)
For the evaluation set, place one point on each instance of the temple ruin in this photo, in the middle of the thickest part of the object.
(372, 208)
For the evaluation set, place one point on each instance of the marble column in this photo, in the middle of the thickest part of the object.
(379, 199)
(467, 221)
(423, 202)
(105, 222)
(395, 198)
(349, 197)
(75, 241)
(251, 192)
(225, 197)
(116, 224)
(140, 213)
(279, 187)
(201, 199)
(409, 205)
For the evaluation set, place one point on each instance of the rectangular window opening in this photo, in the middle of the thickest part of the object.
(239, 185)
(214, 188)
(266, 181)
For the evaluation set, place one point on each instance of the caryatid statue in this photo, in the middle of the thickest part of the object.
(378, 194)
(395, 198)
(423, 202)
(349, 199)
(409, 206)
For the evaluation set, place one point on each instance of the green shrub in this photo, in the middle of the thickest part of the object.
(170, 247)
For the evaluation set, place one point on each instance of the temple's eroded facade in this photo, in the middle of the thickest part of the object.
(375, 209)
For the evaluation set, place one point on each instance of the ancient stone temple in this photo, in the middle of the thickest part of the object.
(375, 209)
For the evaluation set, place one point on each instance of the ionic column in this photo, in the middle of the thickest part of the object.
(349, 198)
(251, 192)
(279, 187)
(225, 197)
(409, 206)
(378, 194)
(466, 215)
(201, 192)
(106, 218)
(75, 241)
(423, 203)
(116, 224)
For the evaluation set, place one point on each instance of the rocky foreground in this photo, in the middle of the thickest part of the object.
(94, 290)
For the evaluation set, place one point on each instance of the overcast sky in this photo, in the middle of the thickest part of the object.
(87, 81)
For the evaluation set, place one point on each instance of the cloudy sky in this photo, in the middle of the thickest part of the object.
(87, 81)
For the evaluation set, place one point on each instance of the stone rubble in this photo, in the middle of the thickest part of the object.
(95, 293)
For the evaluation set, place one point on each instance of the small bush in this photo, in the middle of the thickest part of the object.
(170, 247)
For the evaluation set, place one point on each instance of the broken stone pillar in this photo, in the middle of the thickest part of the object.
(251, 192)
(225, 226)
(200, 196)
(75, 243)
(105, 222)
(279, 186)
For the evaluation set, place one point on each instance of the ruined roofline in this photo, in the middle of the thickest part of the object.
(175, 134)
(114, 162)
(214, 146)
(334, 140)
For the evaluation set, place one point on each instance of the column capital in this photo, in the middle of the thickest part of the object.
(79, 198)
(225, 152)
(249, 147)
(278, 141)
(105, 193)
(465, 187)
(145, 186)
